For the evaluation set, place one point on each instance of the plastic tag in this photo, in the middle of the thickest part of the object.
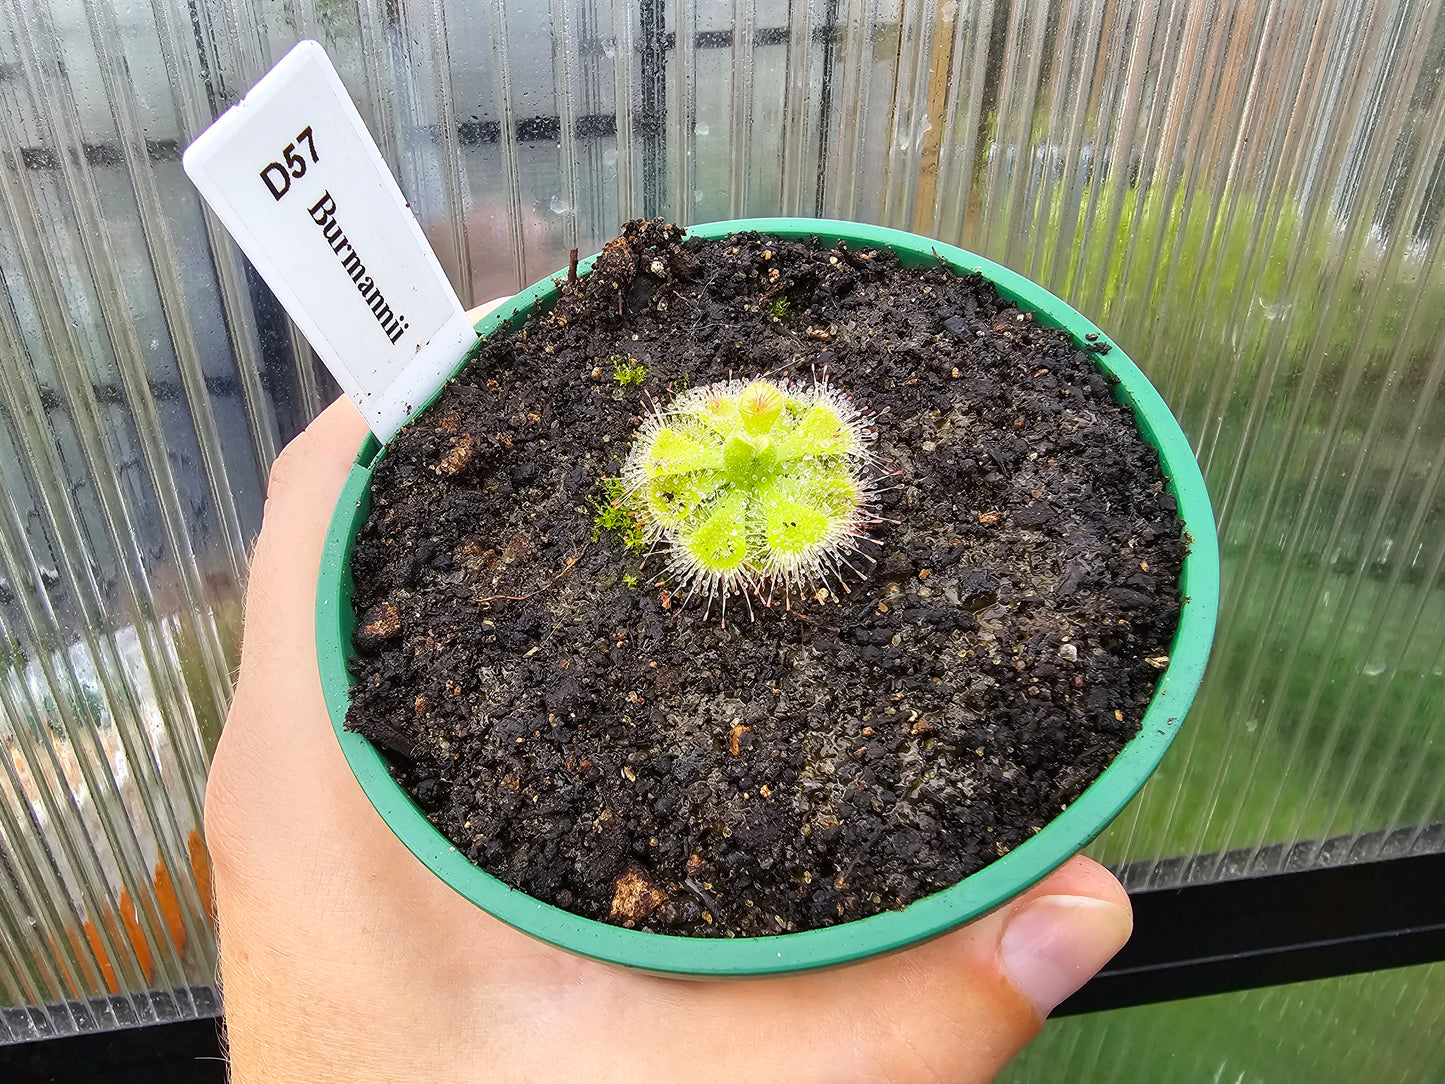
(295, 176)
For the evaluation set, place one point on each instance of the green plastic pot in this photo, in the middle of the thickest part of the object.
(1063, 837)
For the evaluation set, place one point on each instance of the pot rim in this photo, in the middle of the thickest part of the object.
(929, 917)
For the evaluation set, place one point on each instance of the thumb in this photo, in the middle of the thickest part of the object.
(1058, 935)
(956, 1009)
(965, 1004)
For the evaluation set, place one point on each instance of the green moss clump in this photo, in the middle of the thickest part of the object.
(612, 511)
(628, 371)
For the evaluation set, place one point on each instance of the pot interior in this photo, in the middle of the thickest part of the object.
(1026, 864)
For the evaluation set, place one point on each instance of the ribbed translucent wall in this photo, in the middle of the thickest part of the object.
(1247, 194)
(1387, 1028)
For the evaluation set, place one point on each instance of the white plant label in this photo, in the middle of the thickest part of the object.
(296, 178)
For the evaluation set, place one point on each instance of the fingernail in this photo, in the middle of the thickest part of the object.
(1056, 944)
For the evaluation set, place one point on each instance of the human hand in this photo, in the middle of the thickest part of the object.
(345, 960)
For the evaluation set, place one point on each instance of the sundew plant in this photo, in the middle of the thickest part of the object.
(755, 487)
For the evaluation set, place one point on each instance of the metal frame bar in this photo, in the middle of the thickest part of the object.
(1225, 936)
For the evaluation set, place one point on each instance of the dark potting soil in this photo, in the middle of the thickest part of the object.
(583, 736)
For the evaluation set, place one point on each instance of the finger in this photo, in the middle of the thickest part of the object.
(956, 1009)
(306, 480)
(981, 993)
(278, 722)
(481, 310)
(1058, 936)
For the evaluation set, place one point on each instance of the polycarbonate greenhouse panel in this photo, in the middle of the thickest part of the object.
(1388, 1026)
(1247, 194)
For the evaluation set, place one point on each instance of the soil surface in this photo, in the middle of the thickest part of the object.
(584, 737)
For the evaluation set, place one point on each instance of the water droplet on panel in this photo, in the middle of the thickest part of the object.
(559, 205)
